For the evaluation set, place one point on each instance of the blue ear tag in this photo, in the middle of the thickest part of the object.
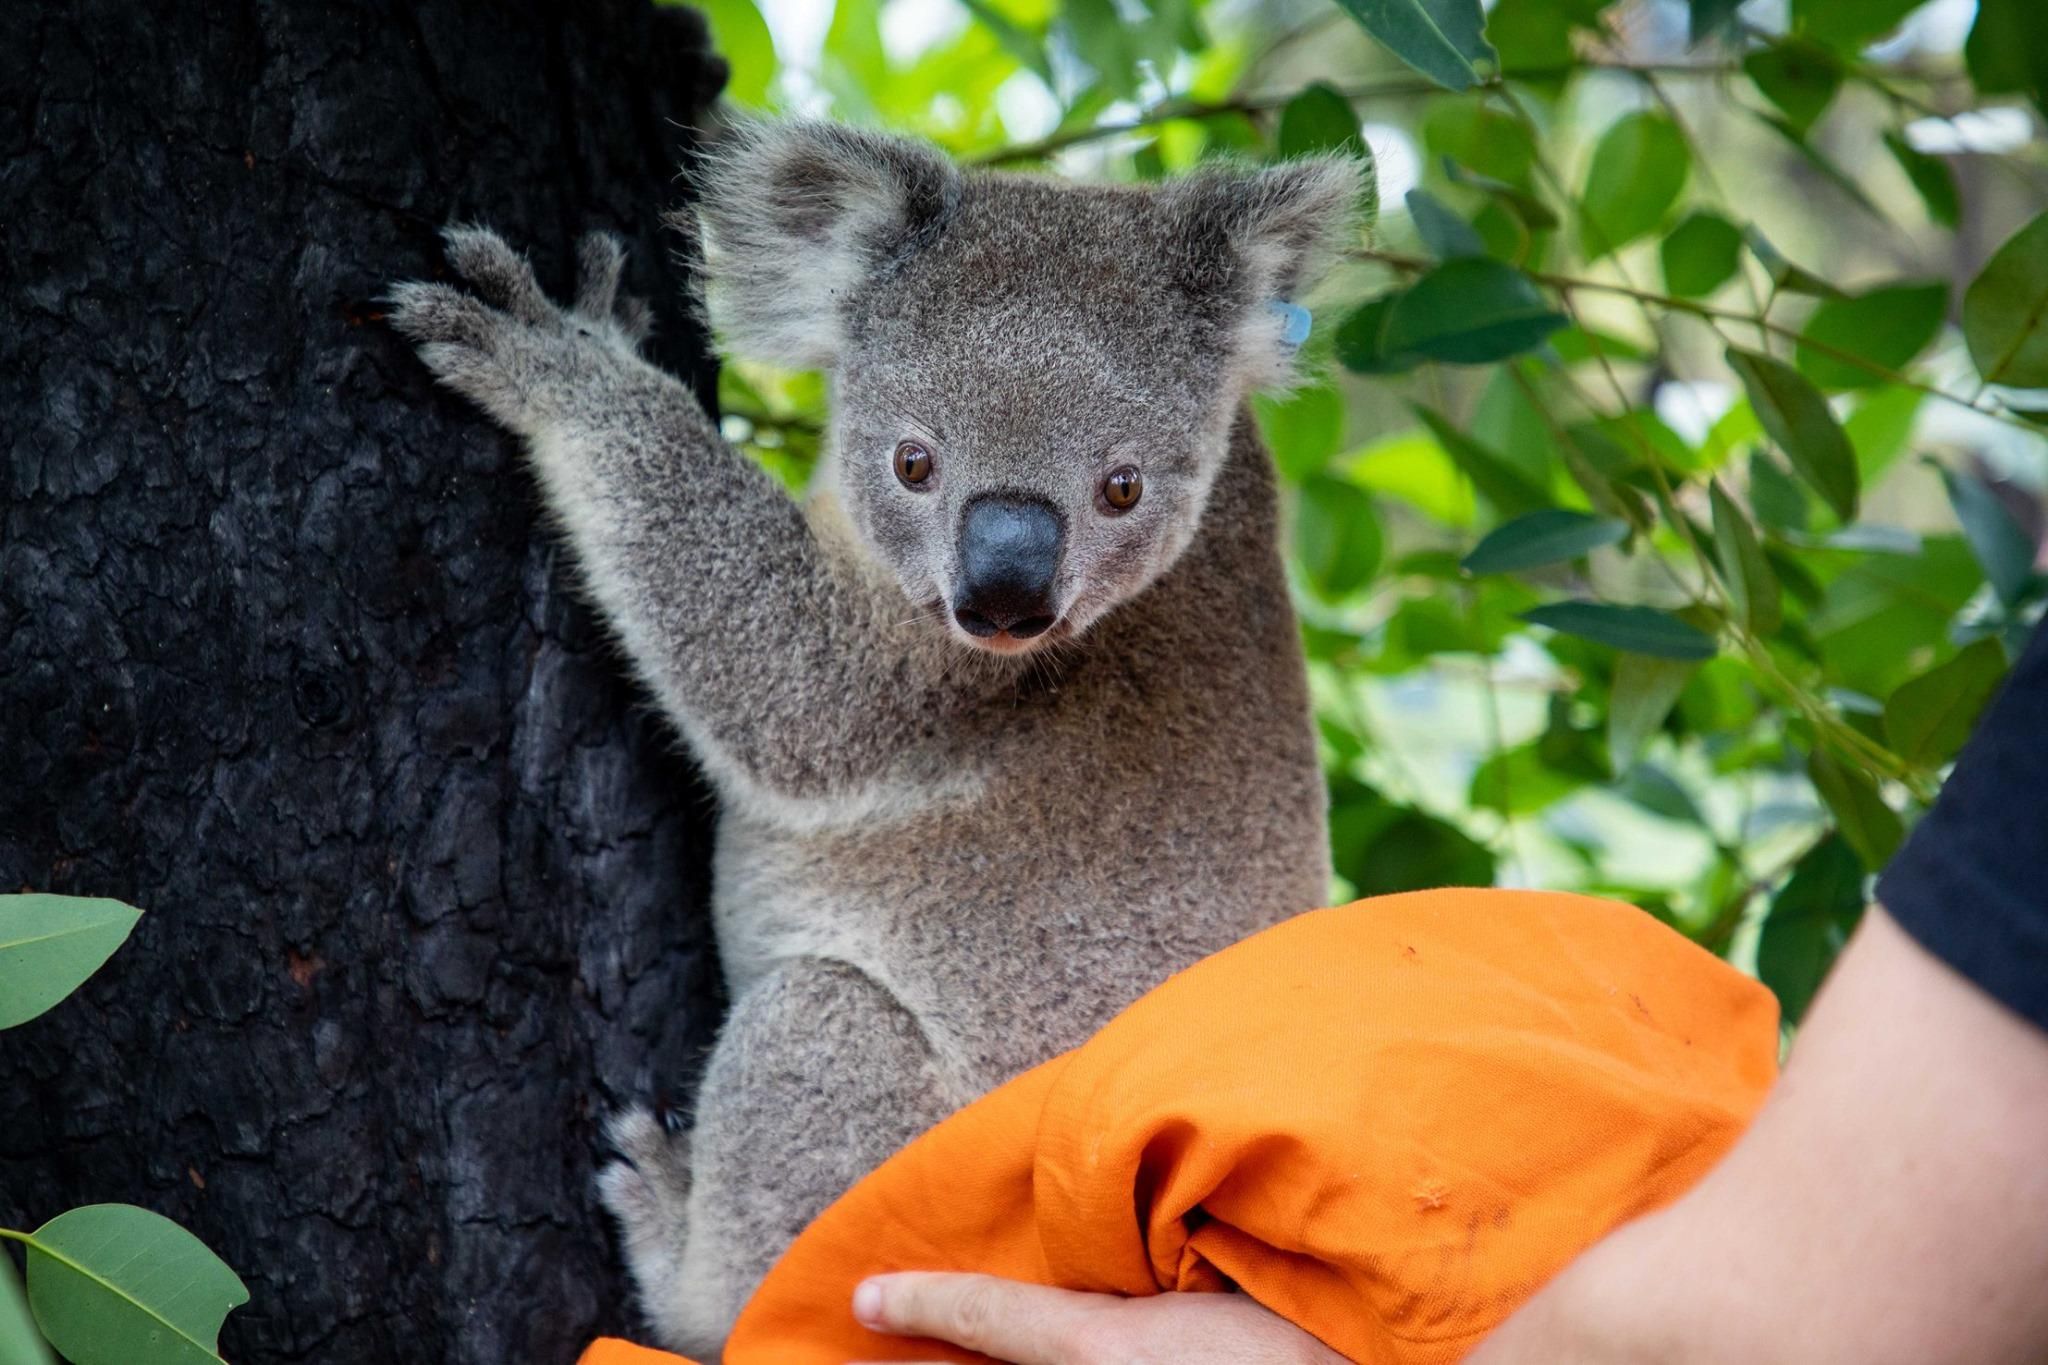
(1294, 321)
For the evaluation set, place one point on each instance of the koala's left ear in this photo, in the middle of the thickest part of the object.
(797, 216)
(1254, 236)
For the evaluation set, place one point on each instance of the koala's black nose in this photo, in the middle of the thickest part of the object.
(1009, 555)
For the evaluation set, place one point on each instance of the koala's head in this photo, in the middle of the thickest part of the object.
(1033, 382)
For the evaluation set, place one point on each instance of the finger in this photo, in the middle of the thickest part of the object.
(496, 271)
(1020, 1323)
(600, 258)
(437, 312)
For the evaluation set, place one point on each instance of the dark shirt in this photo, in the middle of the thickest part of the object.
(1972, 883)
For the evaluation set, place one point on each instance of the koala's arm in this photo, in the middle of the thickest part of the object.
(729, 605)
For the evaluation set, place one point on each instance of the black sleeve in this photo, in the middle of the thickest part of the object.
(1972, 883)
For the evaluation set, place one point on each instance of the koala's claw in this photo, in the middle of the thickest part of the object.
(495, 271)
(503, 342)
(648, 1191)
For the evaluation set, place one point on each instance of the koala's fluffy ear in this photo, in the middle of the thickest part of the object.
(796, 216)
(1258, 235)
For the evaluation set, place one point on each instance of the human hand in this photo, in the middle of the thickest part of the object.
(1029, 1324)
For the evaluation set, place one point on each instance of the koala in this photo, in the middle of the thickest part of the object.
(1008, 717)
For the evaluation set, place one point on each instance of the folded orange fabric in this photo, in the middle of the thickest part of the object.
(1390, 1123)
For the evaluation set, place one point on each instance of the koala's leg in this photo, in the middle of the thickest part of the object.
(732, 611)
(818, 1076)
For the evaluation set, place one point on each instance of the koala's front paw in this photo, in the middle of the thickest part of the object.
(648, 1191)
(507, 346)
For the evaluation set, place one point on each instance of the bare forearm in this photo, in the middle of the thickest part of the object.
(1889, 1204)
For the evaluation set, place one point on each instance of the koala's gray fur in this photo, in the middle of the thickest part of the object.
(941, 859)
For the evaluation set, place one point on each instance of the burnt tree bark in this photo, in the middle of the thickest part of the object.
(286, 660)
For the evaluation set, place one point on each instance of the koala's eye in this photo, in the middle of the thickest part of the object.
(913, 463)
(1121, 489)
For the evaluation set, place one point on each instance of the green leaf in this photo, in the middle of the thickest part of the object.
(1441, 39)
(1927, 720)
(1701, 255)
(1779, 502)
(1319, 120)
(2007, 50)
(1933, 179)
(1303, 429)
(20, 1342)
(1534, 37)
(1014, 38)
(2004, 550)
(1644, 691)
(112, 1284)
(1639, 630)
(1480, 137)
(1382, 848)
(1809, 921)
(1551, 536)
(2005, 310)
(1798, 76)
(741, 36)
(1509, 490)
(1799, 422)
(1106, 42)
(1782, 272)
(1871, 827)
(1361, 339)
(1751, 583)
(1470, 311)
(1638, 169)
(1445, 234)
(1708, 17)
(1337, 538)
(50, 944)
(1887, 326)
(1850, 25)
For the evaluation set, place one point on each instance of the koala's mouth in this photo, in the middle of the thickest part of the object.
(1019, 637)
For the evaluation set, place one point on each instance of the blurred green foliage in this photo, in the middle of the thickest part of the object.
(1636, 555)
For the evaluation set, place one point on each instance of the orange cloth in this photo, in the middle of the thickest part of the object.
(1390, 1123)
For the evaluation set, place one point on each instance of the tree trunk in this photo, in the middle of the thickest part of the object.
(287, 659)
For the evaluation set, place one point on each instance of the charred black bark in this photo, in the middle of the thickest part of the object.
(286, 659)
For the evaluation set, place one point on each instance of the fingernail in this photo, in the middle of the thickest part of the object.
(867, 1304)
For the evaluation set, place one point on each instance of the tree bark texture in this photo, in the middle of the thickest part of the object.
(288, 660)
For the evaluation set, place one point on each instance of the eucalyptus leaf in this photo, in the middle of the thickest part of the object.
(2004, 550)
(1810, 920)
(1871, 827)
(1319, 119)
(1361, 339)
(1705, 18)
(112, 1284)
(1511, 491)
(1850, 25)
(1798, 75)
(21, 1343)
(1799, 422)
(1470, 311)
(1441, 39)
(1700, 255)
(1337, 537)
(1645, 689)
(2005, 311)
(1888, 327)
(1639, 168)
(1933, 179)
(1445, 234)
(49, 945)
(1553, 535)
(1927, 720)
(2007, 50)
(1639, 630)
(742, 37)
(1793, 279)
(1748, 574)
